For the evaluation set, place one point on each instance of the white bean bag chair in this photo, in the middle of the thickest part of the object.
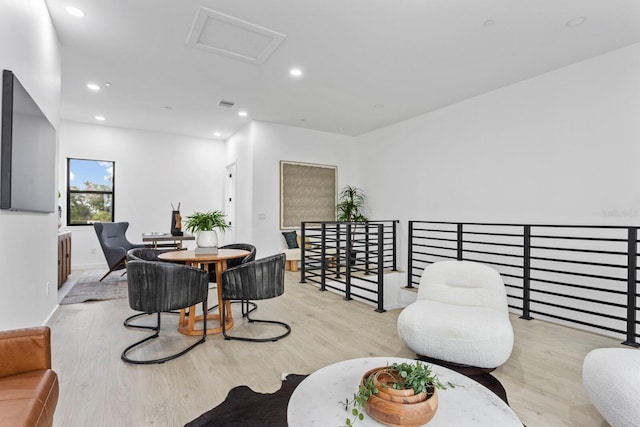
(611, 377)
(460, 316)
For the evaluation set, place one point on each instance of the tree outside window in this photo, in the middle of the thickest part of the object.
(90, 191)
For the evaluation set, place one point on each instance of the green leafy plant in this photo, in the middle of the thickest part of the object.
(351, 205)
(404, 376)
(206, 221)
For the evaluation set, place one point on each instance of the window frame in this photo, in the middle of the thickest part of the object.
(70, 191)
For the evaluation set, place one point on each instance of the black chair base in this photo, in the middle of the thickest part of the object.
(271, 339)
(127, 321)
(124, 356)
(245, 307)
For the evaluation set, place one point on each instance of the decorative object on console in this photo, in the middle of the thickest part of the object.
(176, 221)
(204, 224)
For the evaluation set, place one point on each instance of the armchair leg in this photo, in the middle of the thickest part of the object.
(121, 263)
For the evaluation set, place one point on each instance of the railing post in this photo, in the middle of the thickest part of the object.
(632, 265)
(366, 249)
(380, 308)
(459, 241)
(303, 276)
(338, 244)
(394, 234)
(410, 256)
(347, 288)
(323, 259)
(526, 273)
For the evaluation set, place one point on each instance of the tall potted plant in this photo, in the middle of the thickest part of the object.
(204, 224)
(351, 205)
(350, 209)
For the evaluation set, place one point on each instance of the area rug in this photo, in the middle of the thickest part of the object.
(247, 408)
(89, 288)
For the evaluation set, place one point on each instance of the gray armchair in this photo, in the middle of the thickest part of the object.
(160, 287)
(254, 280)
(114, 244)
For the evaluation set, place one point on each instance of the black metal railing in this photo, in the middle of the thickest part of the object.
(349, 257)
(578, 274)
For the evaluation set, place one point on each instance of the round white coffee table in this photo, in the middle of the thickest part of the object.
(317, 400)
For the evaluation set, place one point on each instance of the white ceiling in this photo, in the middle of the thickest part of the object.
(366, 63)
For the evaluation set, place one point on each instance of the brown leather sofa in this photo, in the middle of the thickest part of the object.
(28, 387)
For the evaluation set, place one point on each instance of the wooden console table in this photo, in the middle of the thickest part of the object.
(170, 240)
(64, 257)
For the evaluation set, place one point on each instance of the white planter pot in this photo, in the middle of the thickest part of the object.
(207, 239)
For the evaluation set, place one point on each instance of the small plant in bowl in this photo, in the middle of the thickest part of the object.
(398, 394)
(204, 224)
(206, 221)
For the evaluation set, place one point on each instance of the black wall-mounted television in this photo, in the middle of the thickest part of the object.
(27, 151)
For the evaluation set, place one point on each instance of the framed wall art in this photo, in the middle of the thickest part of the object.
(308, 192)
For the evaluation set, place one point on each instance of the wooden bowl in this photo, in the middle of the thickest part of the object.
(390, 406)
(397, 414)
(384, 383)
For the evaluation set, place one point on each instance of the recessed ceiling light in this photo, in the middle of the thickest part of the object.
(576, 21)
(296, 72)
(242, 113)
(107, 84)
(217, 134)
(489, 22)
(168, 107)
(378, 106)
(74, 11)
(100, 118)
(93, 86)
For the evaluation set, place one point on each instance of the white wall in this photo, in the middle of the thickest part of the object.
(239, 151)
(268, 144)
(559, 148)
(28, 243)
(152, 171)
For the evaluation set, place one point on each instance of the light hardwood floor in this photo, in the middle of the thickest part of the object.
(542, 377)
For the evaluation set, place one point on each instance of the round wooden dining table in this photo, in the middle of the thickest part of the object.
(188, 317)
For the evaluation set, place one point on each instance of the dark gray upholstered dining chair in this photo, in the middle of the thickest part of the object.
(114, 244)
(247, 305)
(144, 254)
(160, 287)
(254, 280)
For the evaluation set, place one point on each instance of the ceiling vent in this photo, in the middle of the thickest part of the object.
(228, 104)
(226, 35)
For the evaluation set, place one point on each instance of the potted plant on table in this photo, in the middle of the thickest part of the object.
(350, 208)
(204, 224)
(401, 394)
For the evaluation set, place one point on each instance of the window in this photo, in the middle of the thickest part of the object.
(90, 191)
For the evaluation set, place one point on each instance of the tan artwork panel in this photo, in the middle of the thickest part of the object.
(307, 193)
